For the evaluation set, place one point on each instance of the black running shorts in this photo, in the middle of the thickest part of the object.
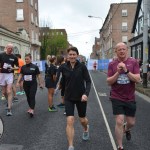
(70, 106)
(126, 108)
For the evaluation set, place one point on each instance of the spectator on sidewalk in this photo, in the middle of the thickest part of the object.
(123, 73)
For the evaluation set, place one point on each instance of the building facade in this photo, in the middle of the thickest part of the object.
(136, 43)
(116, 28)
(19, 15)
(19, 40)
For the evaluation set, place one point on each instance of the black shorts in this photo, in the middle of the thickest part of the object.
(62, 92)
(49, 83)
(126, 108)
(81, 108)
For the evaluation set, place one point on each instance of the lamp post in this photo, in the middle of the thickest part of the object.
(103, 54)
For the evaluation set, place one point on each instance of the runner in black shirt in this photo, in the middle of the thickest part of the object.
(30, 73)
(77, 82)
(7, 63)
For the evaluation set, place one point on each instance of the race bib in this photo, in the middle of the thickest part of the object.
(123, 79)
(5, 66)
(28, 77)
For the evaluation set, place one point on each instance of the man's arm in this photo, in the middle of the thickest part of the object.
(111, 80)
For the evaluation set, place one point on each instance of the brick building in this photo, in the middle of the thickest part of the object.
(116, 27)
(18, 15)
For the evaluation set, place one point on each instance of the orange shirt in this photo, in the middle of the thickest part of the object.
(21, 63)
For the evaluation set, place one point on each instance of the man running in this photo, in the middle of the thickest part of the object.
(123, 73)
(7, 62)
(77, 82)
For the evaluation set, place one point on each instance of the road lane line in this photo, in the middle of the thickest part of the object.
(104, 116)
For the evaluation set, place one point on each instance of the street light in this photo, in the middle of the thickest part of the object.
(103, 54)
(95, 17)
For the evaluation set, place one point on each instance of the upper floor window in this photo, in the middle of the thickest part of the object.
(36, 8)
(19, 16)
(32, 18)
(125, 39)
(124, 26)
(124, 13)
(140, 25)
(19, 1)
(31, 2)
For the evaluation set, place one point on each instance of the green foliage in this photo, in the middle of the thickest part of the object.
(52, 43)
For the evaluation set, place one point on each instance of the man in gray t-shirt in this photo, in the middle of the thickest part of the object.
(123, 73)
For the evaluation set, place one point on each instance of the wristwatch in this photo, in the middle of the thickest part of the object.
(127, 71)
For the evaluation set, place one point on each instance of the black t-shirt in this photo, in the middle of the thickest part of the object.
(8, 61)
(51, 70)
(29, 72)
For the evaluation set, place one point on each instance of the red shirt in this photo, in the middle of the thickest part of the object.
(123, 89)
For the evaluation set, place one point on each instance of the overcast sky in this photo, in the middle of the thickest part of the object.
(72, 15)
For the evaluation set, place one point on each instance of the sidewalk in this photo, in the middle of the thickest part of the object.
(145, 91)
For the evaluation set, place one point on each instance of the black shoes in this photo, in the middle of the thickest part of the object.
(120, 148)
(127, 132)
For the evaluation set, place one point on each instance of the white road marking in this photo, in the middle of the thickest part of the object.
(105, 119)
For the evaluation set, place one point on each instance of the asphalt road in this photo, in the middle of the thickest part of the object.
(46, 131)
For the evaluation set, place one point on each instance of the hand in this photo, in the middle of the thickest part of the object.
(121, 66)
(84, 98)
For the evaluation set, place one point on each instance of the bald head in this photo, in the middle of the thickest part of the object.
(9, 48)
(121, 50)
(120, 44)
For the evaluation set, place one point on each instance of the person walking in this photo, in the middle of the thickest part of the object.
(30, 72)
(50, 82)
(123, 73)
(7, 62)
(77, 84)
(21, 63)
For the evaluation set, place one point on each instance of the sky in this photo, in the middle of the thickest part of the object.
(72, 15)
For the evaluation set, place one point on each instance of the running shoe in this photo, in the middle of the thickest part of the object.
(71, 148)
(18, 93)
(9, 113)
(22, 93)
(61, 105)
(120, 148)
(127, 132)
(52, 109)
(3, 98)
(15, 99)
(86, 134)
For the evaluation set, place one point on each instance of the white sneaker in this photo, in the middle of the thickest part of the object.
(86, 134)
(71, 148)
(9, 113)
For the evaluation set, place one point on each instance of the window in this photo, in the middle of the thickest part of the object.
(125, 39)
(32, 19)
(31, 2)
(36, 21)
(36, 6)
(124, 13)
(19, 1)
(124, 26)
(20, 16)
(140, 25)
